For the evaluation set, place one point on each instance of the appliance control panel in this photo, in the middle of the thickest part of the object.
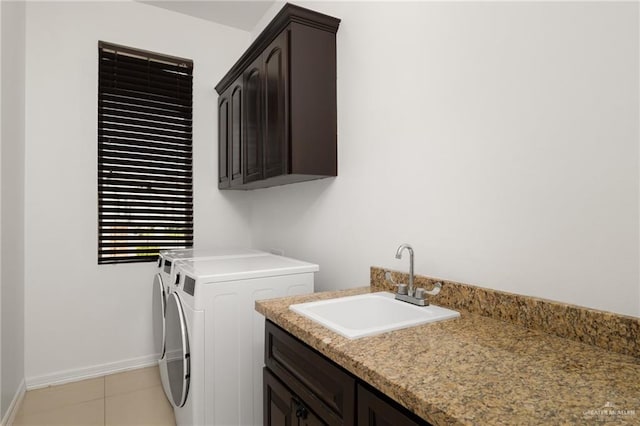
(189, 285)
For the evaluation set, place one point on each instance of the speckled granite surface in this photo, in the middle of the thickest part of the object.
(616, 333)
(477, 370)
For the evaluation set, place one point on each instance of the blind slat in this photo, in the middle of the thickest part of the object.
(107, 197)
(136, 245)
(120, 215)
(137, 83)
(112, 69)
(167, 218)
(122, 157)
(145, 132)
(147, 115)
(116, 201)
(145, 225)
(155, 60)
(181, 149)
(110, 131)
(135, 154)
(147, 174)
(150, 191)
(142, 148)
(129, 91)
(171, 86)
(145, 184)
(154, 93)
(121, 100)
(126, 259)
(116, 118)
(135, 238)
(140, 251)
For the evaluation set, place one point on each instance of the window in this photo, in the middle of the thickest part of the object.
(145, 185)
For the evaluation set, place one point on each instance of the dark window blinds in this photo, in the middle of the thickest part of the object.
(145, 191)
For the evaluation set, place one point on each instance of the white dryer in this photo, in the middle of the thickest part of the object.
(215, 339)
(163, 283)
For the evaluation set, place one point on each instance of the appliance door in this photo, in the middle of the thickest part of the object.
(159, 307)
(177, 350)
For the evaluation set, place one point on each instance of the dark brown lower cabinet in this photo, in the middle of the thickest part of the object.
(277, 401)
(304, 388)
(281, 407)
(375, 410)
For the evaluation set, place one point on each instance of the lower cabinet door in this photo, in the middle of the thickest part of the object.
(305, 416)
(310, 420)
(375, 411)
(283, 408)
(277, 405)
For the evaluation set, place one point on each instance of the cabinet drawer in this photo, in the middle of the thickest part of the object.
(326, 388)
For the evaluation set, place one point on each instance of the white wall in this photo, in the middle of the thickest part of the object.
(499, 139)
(638, 136)
(1, 96)
(81, 317)
(12, 168)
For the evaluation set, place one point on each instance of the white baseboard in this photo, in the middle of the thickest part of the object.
(10, 415)
(75, 375)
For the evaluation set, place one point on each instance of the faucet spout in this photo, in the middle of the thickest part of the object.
(399, 256)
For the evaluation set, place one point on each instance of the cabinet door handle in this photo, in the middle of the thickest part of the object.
(301, 410)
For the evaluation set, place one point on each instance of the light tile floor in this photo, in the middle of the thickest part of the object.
(130, 398)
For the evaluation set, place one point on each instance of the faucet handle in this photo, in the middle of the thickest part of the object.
(388, 277)
(402, 288)
(419, 293)
(437, 286)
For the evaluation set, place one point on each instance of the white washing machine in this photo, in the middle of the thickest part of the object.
(163, 283)
(215, 338)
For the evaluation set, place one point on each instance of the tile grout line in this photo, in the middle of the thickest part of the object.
(149, 386)
(50, 389)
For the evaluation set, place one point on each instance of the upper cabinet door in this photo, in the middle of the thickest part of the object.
(276, 125)
(253, 166)
(236, 110)
(223, 140)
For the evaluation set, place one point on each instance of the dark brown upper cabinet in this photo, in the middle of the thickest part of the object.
(230, 134)
(252, 145)
(277, 106)
(223, 141)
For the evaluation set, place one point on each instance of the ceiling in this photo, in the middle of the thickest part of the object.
(234, 13)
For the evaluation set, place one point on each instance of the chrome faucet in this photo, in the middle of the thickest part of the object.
(399, 256)
(416, 296)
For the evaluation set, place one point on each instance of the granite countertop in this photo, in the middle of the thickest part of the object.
(479, 370)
